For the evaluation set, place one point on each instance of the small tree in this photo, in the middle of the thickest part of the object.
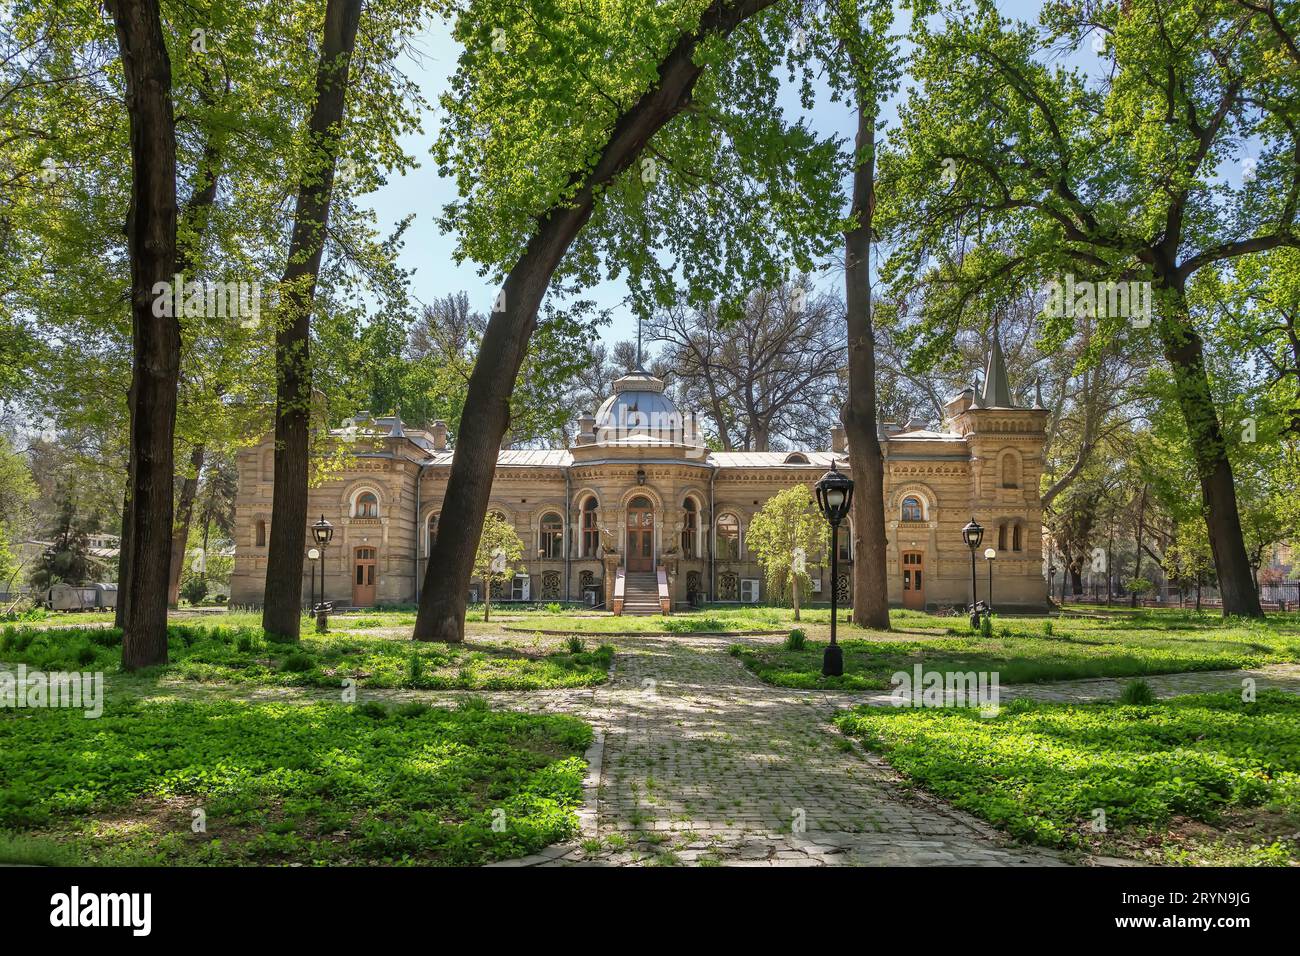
(499, 551)
(789, 525)
(68, 558)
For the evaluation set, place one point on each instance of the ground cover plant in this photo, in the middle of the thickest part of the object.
(1205, 778)
(1037, 649)
(242, 655)
(281, 783)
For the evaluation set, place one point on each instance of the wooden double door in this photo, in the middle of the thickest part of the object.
(914, 580)
(363, 576)
(640, 535)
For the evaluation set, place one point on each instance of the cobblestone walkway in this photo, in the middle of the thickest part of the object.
(700, 763)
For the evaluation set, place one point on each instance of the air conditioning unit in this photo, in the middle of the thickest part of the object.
(519, 587)
(749, 590)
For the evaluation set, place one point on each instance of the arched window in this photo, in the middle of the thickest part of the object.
(728, 538)
(1015, 537)
(912, 509)
(1002, 536)
(551, 536)
(268, 465)
(431, 534)
(367, 505)
(590, 530)
(796, 458)
(1010, 470)
(690, 527)
(261, 533)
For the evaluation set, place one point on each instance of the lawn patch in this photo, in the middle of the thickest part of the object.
(1043, 771)
(288, 783)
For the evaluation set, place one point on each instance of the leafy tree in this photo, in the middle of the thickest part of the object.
(17, 492)
(68, 559)
(497, 556)
(787, 525)
(580, 138)
(1010, 172)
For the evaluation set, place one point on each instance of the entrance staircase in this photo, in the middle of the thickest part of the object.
(641, 593)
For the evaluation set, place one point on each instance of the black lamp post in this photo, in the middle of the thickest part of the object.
(834, 497)
(1051, 578)
(990, 555)
(313, 555)
(973, 534)
(321, 533)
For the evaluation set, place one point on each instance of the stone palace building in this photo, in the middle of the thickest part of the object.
(639, 491)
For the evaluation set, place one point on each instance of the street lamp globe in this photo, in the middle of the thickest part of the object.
(834, 495)
(990, 553)
(972, 534)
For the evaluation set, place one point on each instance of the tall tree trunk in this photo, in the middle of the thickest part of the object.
(870, 574)
(505, 342)
(282, 610)
(1137, 558)
(181, 536)
(156, 340)
(1184, 352)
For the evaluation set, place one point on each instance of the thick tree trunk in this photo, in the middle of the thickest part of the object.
(156, 340)
(1183, 350)
(870, 574)
(282, 610)
(181, 537)
(505, 342)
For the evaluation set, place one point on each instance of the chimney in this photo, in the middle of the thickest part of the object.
(439, 436)
(839, 442)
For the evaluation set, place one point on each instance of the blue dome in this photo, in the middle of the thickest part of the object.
(640, 413)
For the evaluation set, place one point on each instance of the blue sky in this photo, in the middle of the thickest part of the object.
(423, 192)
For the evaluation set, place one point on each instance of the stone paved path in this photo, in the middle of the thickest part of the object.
(703, 764)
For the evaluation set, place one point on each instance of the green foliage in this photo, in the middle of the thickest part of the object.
(1040, 770)
(1123, 645)
(206, 654)
(1137, 693)
(788, 522)
(280, 783)
(795, 640)
(194, 589)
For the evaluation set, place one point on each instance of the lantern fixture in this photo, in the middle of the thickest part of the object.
(834, 495)
(322, 531)
(972, 534)
(640, 476)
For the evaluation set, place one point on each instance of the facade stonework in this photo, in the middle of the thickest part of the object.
(641, 491)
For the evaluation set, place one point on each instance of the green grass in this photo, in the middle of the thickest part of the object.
(206, 653)
(1113, 645)
(1205, 778)
(287, 783)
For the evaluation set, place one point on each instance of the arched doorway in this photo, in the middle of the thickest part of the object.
(363, 577)
(640, 534)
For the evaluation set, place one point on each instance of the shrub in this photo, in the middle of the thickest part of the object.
(296, 662)
(554, 608)
(1047, 628)
(414, 669)
(1137, 693)
(85, 654)
(194, 590)
(575, 644)
(795, 640)
(986, 625)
